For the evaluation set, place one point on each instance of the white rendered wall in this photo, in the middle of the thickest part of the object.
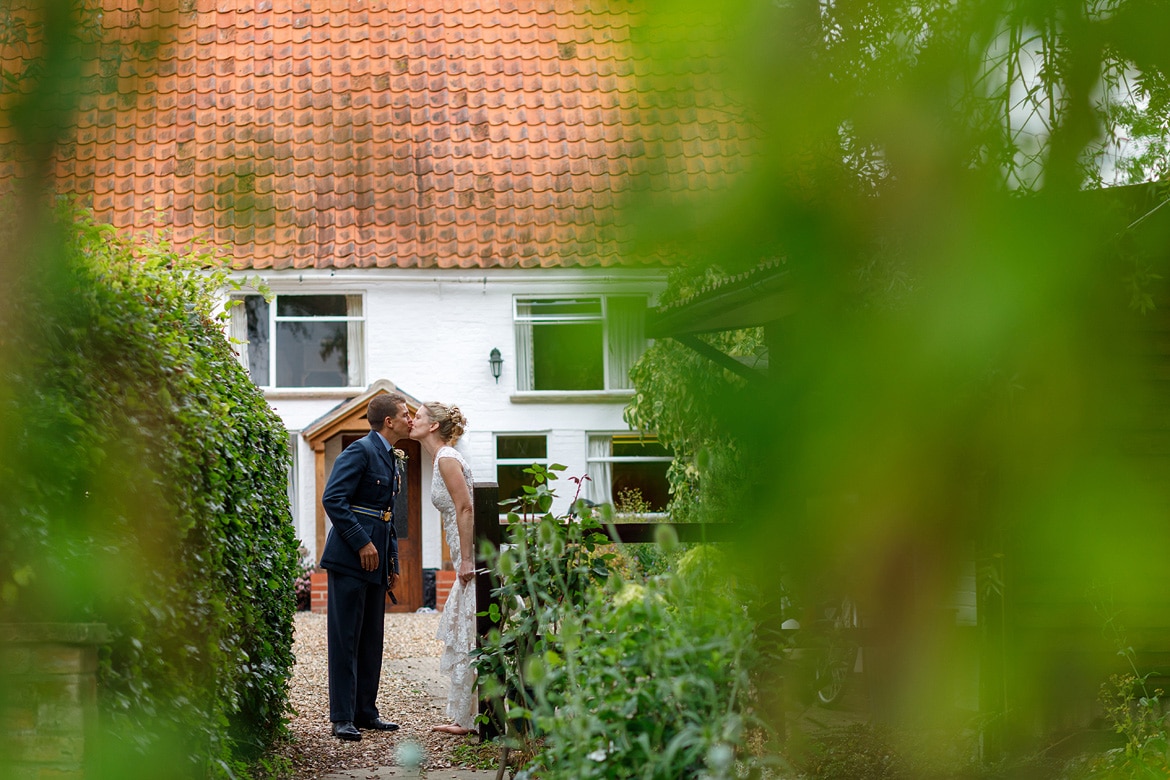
(430, 333)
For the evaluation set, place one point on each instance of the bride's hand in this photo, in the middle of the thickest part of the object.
(466, 571)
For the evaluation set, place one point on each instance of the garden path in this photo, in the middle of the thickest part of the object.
(412, 694)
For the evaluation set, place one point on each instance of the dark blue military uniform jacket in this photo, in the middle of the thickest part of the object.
(363, 484)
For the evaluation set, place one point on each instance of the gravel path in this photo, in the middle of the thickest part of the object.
(411, 694)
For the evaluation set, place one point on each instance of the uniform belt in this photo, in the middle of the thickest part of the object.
(381, 514)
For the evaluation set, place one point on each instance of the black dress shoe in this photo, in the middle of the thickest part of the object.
(377, 724)
(345, 730)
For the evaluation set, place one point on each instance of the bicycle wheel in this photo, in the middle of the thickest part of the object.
(840, 656)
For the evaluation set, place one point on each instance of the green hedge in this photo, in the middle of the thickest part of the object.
(146, 488)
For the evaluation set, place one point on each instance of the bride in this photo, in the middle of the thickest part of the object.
(438, 427)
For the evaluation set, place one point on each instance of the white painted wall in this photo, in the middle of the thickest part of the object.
(430, 333)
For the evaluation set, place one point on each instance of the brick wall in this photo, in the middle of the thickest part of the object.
(319, 591)
(444, 580)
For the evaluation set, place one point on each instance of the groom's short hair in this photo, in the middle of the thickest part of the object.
(382, 406)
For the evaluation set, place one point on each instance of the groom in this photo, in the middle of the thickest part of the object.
(361, 556)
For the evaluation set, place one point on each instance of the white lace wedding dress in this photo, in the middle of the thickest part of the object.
(457, 623)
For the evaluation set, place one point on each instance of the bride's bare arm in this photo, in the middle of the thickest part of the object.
(452, 474)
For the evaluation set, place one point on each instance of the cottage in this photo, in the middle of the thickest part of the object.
(419, 195)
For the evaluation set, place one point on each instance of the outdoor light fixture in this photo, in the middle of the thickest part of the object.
(496, 362)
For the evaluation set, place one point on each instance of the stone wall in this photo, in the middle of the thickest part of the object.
(48, 698)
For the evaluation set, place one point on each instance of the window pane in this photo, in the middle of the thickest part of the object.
(632, 446)
(568, 307)
(627, 337)
(534, 447)
(257, 310)
(511, 479)
(568, 357)
(312, 354)
(310, 306)
(647, 480)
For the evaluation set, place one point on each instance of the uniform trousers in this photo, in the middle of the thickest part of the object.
(356, 621)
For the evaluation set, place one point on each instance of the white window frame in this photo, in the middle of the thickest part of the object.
(518, 461)
(523, 321)
(357, 331)
(599, 462)
(293, 480)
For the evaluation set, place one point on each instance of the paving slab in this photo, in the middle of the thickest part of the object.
(402, 773)
(424, 672)
(382, 773)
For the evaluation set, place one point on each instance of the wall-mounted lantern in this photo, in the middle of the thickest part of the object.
(497, 363)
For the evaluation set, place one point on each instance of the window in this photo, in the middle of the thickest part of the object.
(514, 453)
(584, 343)
(625, 466)
(301, 340)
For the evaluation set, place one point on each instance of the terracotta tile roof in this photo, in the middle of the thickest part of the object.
(377, 133)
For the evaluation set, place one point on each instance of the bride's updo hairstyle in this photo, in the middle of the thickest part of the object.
(451, 421)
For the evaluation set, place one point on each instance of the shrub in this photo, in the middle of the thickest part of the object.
(544, 573)
(152, 498)
(617, 679)
(651, 681)
(638, 561)
(1134, 709)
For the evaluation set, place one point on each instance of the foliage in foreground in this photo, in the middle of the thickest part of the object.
(652, 679)
(954, 371)
(153, 499)
(618, 679)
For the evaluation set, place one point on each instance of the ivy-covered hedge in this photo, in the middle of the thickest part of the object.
(145, 488)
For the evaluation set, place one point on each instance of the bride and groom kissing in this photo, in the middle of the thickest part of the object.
(361, 558)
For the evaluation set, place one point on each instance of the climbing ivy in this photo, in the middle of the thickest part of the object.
(682, 397)
(146, 489)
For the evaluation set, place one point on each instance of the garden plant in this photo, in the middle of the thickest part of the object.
(598, 676)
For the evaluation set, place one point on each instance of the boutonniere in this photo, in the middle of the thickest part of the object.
(399, 454)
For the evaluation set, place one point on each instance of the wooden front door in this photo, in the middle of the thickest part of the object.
(408, 526)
